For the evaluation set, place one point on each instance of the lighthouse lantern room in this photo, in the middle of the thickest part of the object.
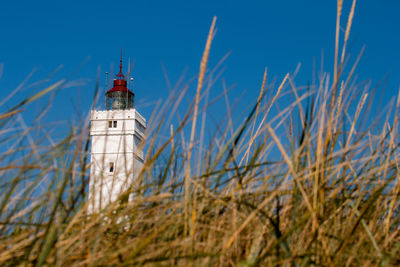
(117, 135)
(119, 97)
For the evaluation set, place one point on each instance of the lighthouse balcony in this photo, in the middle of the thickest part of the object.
(117, 122)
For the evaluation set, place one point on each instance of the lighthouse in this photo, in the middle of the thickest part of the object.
(116, 156)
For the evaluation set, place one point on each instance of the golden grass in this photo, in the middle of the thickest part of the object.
(301, 184)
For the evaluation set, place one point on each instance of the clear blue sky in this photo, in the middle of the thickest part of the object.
(42, 35)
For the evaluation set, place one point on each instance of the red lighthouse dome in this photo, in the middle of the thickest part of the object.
(119, 97)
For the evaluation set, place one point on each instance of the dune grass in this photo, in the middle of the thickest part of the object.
(315, 182)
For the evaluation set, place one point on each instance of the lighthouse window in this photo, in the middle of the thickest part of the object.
(112, 124)
(111, 166)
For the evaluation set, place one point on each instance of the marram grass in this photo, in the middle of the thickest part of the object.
(303, 184)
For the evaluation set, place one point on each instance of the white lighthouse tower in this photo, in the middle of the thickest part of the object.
(116, 154)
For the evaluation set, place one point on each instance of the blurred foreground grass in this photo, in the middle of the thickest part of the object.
(306, 185)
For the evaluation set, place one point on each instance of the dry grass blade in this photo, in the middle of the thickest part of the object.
(338, 14)
(347, 33)
(291, 168)
(203, 69)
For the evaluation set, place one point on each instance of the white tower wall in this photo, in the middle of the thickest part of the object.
(116, 155)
